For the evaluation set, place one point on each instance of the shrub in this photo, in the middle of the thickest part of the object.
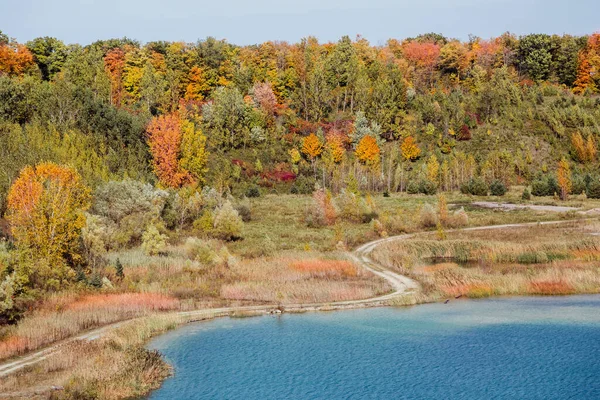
(322, 211)
(427, 187)
(127, 208)
(421, 186)
(252, 191)
(475, 187)
(497, 188)
(205, 223)
(119, 269)
(579, 185)
(244, 210)
(593, 189)
(458, 219)
(153, 242)
(428, 216)
(413, 187)
(526, 195)
(303, 185)
(206, 252)
(545, 187)
(228, 223)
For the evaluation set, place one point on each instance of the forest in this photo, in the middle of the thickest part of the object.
(117, 134)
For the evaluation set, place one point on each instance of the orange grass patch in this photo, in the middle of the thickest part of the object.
(551, 287)
(325, 267)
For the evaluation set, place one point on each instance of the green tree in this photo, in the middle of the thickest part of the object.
(49, 54)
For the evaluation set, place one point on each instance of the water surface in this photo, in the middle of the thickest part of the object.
(516, 348)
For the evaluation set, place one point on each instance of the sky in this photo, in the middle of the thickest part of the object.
(247, 22)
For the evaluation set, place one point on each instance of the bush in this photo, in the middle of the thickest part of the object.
(428, 217)
(228, 223)
(475, 187)
(526, 195)
(303, 185)
(206, 252)
(322, 211)
(427, 187)
(593, 189)
(579, 185)
(153, 242)
(252, 191)
(458, 219)
(127, 208)
(421, 186)
(497, 188)
(545, 187)
(244, 210)
(413, 187)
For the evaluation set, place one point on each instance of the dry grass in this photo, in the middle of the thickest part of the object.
(114, 367)
(301, 278)
(65, 315)
(546, 260)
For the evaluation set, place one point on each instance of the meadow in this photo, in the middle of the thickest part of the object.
(281, 260)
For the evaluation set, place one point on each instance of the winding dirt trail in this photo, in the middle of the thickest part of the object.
(401, 284)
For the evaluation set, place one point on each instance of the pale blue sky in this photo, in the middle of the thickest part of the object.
(247, 22)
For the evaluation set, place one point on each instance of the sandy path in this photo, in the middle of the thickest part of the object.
(509, 206)
(401, 284)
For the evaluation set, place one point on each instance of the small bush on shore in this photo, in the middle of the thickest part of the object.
(228, 224)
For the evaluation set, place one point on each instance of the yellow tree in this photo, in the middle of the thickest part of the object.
(564, 178)
(45, 209)
(590, 147)
(312, 147)
(433, 169)
(368, 152)
(194, 156)
(409, 148)
(579, 146)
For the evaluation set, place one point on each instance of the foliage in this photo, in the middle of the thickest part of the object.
(497, 188)
(46, 207)
(475, 187)
(228, 224)
(410, 149)
(368, 152)
(564, 178)
(153, 242)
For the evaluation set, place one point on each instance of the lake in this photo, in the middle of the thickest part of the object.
(511, 348)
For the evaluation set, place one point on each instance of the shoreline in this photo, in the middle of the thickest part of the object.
(405, 289)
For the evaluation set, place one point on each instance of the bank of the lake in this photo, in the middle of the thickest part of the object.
(534, 347)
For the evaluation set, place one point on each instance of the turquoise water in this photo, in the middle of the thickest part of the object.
(517, 348)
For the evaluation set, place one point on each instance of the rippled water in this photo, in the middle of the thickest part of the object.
(518, 348)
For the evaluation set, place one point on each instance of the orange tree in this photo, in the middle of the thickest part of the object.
(45, 209)
(178, 150)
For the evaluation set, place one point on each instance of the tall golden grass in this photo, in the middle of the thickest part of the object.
(296, 277)
(66, 315)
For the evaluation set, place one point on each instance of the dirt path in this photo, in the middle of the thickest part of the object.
(509, 206)
(402, 285)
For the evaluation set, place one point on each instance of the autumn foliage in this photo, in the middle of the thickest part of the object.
(410, 149)
(312, 146)
(45, 211)
(368, 151)
(15, 59)
(564, 178)
(178, 150)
